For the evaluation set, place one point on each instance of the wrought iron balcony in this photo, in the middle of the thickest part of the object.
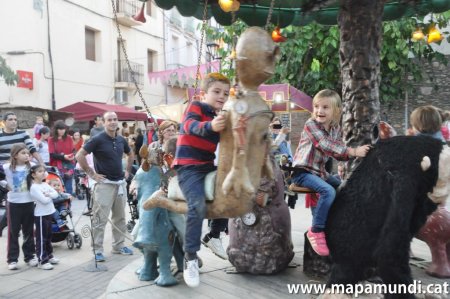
(122, 75)
(126, 9)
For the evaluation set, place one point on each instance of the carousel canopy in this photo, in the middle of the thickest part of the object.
(296, 12)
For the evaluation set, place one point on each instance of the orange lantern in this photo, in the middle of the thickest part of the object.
(229, 5)
(417, 35)
(276, 35)
(434, 35)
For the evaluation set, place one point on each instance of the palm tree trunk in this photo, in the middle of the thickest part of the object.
(360, 23)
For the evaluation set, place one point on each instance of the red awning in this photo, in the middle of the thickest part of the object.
(86, 111)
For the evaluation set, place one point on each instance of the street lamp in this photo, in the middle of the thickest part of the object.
(212, 51)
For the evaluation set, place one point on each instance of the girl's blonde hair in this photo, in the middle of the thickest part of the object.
(16, 149)
(335, 101)
(426, 119)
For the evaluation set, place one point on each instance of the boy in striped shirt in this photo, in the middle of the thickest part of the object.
(194, 159)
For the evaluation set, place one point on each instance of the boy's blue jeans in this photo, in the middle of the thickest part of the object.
(192, 182)
(327, 192)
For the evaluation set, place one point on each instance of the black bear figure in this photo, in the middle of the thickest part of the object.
(382, 206)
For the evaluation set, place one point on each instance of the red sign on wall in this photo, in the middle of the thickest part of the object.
(25, 79)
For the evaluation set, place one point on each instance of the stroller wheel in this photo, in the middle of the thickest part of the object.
(130, 226)
(78, 240)
(70, 240)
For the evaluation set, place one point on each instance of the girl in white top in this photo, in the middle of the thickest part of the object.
(43, 195)
(20, 207)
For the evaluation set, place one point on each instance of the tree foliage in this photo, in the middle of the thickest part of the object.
(7, 73)
(310, 56)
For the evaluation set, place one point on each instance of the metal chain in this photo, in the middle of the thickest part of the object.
(128, 62)
(269, 16)
(197, 75)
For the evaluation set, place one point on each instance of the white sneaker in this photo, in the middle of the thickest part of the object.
(46, 266)
(33, 262)
(12, 266)
(53, 261)
(190, 273)
(215, 244)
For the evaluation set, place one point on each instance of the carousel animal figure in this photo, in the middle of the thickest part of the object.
(244, 144)
(382, 206)
(436, 233)
(160, 232)
(436, 230)
(260, 241)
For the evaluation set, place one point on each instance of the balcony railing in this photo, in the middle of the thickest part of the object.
(126, 9)
(175, 18)
(190, 26)
(122, 73)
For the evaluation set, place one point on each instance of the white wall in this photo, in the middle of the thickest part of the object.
(76, 78)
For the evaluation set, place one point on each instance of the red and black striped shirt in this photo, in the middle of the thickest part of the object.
(196, 142)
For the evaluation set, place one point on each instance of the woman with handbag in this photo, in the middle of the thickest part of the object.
(61, 149)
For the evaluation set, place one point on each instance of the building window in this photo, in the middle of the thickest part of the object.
(175, 55)
(90, 44)
(150, 63)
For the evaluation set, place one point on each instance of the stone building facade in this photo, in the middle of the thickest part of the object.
(426, 94)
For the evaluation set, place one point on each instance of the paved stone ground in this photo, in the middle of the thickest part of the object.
(216, 283)
(70, 280)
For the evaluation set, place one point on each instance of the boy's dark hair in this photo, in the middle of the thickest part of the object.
(97, 117)
(426, 119)
(33, 169)
(44, 130)
(211, 78)
(5, 116)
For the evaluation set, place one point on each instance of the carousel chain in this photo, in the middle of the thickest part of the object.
(269, 15)
(130, 70)
(199, 57)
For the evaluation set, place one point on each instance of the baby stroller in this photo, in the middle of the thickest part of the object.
(3, 220)
(82, 190)
(64, 232)
(133, 205)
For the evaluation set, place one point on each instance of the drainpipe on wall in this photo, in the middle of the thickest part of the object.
(51, 59)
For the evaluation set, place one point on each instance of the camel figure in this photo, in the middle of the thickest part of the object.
(244, 144)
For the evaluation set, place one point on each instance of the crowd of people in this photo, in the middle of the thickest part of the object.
(35, 200)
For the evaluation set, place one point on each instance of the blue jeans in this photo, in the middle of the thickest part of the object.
(326, 190)
(68, 184)
(191, 179)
